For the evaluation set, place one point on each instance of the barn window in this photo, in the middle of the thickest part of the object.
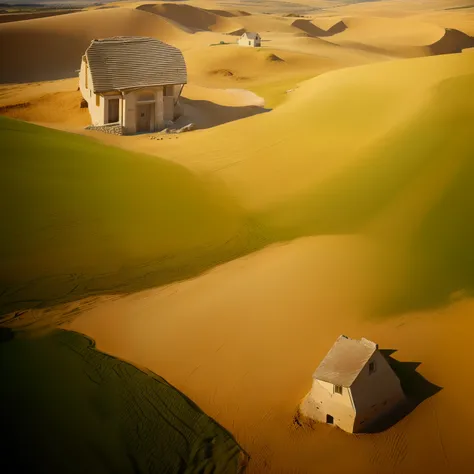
(250, 43)
(97, 100)
(371, 367)
(338, 389)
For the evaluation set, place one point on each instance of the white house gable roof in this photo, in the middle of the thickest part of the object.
(345, 360)
(251, 36)
(126, 62)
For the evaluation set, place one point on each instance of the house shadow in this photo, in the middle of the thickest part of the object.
(206, 114)
(416, 388)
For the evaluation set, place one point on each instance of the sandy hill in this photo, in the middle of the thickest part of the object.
(317, 105)
(64, 39)
(389, 34)
(11, 17)
(193, 19)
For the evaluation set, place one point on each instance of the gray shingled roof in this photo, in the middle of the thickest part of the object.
(126, 62)
(251, 35)
(344, 362)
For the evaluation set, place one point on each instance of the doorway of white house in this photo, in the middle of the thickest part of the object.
(145, 117)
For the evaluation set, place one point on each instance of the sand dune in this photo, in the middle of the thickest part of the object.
(230, 64)
(306, 26)
(192, 18)
(453, 41)
(10, 17)
(388, 33)
(59, 109)
(316, 105)
(238, 32)
(227, 13)
(63, 39)
(266, 23)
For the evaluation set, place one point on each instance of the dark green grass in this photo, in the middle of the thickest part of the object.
(67, 408)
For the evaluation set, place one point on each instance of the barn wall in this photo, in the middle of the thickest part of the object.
(245, 42)
(321, 401)
(375, 394)
(85, 86)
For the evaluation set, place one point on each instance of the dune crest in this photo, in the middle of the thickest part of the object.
(453, 41)
(309, 28)
(191, 18)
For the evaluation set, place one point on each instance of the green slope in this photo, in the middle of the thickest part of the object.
(82, 218)
(68, 408)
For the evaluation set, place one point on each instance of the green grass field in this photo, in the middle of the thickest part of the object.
(81, 218)
(68, 408)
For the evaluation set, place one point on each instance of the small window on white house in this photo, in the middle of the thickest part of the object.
(250, 43)
(371, 367)
(338, 389)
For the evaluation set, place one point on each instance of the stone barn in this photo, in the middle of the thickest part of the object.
(132, 84)
(250, 39)
(353, 386)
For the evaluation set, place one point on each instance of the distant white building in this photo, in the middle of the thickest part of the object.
(250, 39)
(353, 386)
(132, 84)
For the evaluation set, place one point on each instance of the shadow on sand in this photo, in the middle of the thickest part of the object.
(416, 388)
(206, 114)
(310, 29)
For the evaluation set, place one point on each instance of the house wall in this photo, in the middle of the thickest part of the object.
(375, 394)
(85, 86)
(244, 41)
(322, 401)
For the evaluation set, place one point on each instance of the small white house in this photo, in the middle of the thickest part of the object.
(250, 39)
(132, 84)
(353, 386)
